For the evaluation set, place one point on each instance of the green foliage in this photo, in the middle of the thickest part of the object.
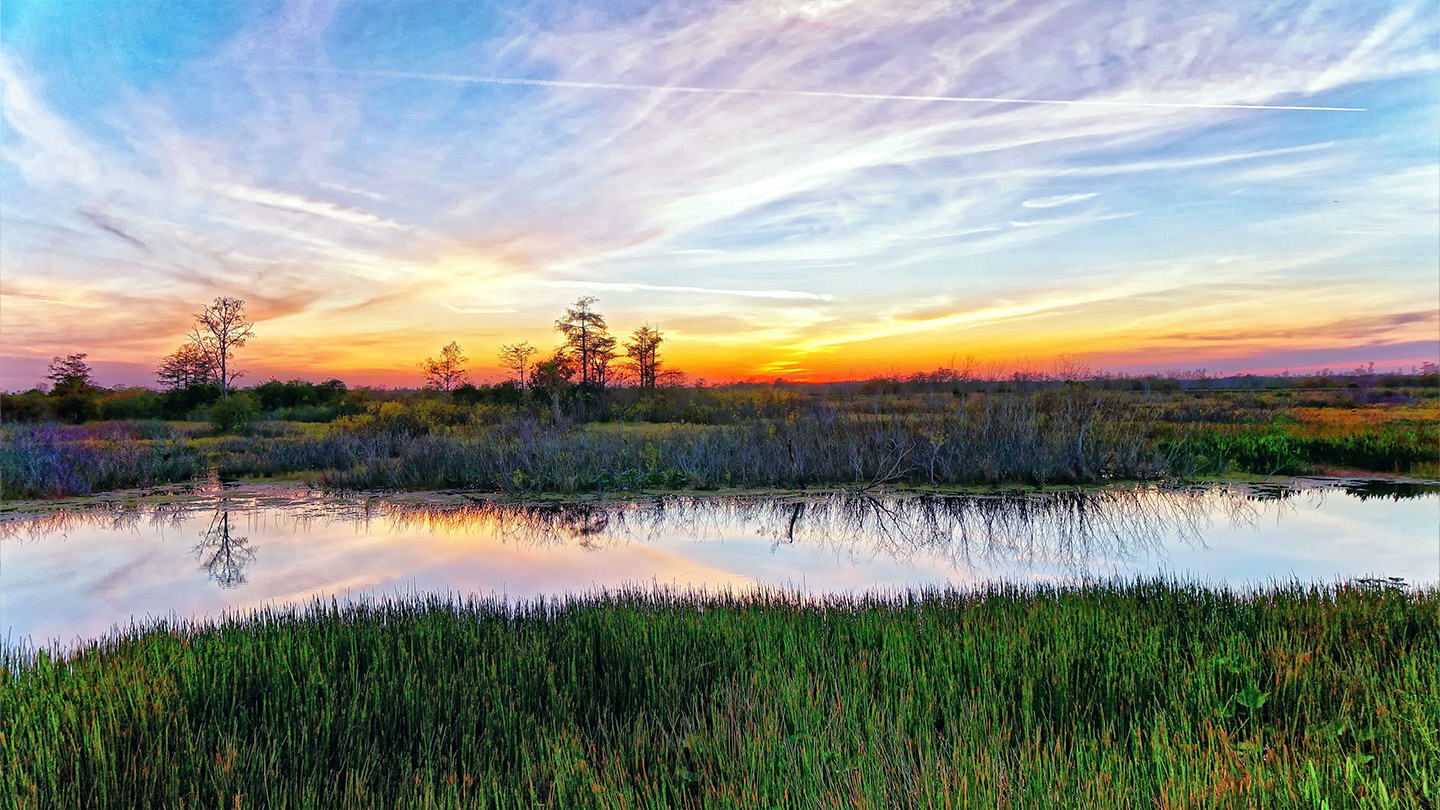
(235, 414)
(1275, 450)
(274, 396)
(181, 403)
(1143, 695)
(30, 406)
(131, 403)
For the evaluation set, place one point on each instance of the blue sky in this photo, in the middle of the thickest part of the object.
(809, 190)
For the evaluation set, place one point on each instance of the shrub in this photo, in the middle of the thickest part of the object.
(233, 414)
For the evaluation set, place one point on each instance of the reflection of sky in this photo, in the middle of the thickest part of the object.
(357, 174)
(82, 578)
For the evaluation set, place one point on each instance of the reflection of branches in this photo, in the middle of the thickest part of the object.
(223, 555)
(1082, 532)
(1075, 530)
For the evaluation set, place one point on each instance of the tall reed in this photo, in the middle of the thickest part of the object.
(47, 461)
(1148, 694)
(1057, 438)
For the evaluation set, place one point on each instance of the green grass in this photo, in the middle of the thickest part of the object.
(1139, 695)
(1292, 448)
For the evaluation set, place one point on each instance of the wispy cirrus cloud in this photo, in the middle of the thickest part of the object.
(304, 205)
(479, 310)
(1056, 200)
(623, 287)
(832, 94)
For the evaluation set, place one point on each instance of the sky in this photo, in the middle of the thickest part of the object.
(816, 190)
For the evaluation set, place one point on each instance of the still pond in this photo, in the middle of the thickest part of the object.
(75, 573)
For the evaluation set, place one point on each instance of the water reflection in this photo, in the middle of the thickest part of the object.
(1069, 529)
(1365, 489)
(1072, 527)
(222, 554)
(80, 570)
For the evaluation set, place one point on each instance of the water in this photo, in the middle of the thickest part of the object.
(75, 574)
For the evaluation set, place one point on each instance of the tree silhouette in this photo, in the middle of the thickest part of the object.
(586, 337)
(219, 330)
(516, 357)
(70, 372)
(186, 367)
(74, 392)
(642, 349)
(602, 360)
(448, 372)
(552, 375)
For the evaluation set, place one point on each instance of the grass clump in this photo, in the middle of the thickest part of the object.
(1149, 694)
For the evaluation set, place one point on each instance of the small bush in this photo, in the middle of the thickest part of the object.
(235, 414)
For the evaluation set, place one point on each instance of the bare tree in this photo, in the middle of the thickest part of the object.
(1069, 368)
(448, 372)
(186, 367)
(219, 330)
(516, 357)
(966, 369)
(643, 351)
(1024, 374)
(582, 328)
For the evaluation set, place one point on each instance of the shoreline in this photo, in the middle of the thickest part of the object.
(280, 494)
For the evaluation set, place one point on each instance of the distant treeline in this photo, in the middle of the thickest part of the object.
(303, 401)
(591, 376)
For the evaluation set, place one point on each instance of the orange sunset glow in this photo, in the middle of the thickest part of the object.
(808, 190)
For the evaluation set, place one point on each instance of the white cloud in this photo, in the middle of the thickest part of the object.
(1057, 200)
(477, 310)
(791, 295)
(304, 205)
(834, 94)
(350, 190)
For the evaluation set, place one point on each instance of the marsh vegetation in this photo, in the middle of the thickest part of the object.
(1121, 695)
(745, 436)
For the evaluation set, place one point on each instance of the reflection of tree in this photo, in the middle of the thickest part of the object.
(1083, 533)
(223, 555)
(1075, 530)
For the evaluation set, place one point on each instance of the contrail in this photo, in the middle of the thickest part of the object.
(669, 88)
